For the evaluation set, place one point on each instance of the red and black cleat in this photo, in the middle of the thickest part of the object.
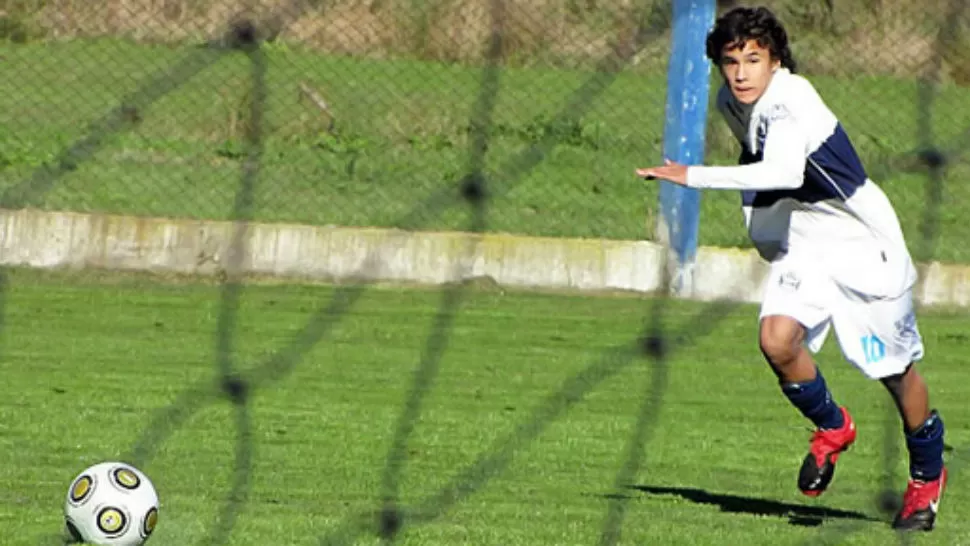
(921, 502)
(819, 465)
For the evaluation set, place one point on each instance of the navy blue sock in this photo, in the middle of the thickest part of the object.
(815, 402)
(925, 445)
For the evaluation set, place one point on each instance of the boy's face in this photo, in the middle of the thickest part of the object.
(747, 70)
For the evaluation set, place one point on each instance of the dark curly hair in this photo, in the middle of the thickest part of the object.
(741, 24)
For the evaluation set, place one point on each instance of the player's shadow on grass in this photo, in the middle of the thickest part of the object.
(797, 514)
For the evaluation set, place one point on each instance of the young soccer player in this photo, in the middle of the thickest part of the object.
(837, 254)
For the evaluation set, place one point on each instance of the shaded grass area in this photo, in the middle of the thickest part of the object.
(832, 38)
(558, 163)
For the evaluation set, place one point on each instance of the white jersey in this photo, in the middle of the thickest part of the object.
(804, 191)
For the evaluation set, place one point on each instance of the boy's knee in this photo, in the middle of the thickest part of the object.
(898, 384)
(781, 339)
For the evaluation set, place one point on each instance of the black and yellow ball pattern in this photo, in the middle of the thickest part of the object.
(125, 478)
(112, 521)
(148, 525)
(81, 489)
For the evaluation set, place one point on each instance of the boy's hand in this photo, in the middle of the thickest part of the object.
(673, 172)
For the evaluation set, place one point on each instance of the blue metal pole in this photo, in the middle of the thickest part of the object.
(685, 121)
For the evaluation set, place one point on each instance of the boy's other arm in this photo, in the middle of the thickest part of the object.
(782, 165)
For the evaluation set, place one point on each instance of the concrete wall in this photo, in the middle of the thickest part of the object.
(71, 240)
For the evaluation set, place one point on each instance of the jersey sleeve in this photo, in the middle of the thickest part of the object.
(782, 164)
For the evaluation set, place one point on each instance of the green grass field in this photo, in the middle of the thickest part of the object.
(561, 151)
(523, 435)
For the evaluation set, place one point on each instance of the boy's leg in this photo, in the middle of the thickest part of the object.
(794, 317)
(911, 396)
(881, 338)
(923, 430)
(782, 342)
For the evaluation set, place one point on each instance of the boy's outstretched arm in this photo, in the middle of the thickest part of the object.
(782, 165)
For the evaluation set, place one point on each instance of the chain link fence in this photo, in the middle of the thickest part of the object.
(354, 112)
(387, 113)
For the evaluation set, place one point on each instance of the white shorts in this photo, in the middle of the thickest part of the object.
(879, 336)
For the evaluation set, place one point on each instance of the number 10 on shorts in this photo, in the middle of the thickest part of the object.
(873, 348)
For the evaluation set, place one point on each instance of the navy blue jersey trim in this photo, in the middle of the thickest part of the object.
(833, 171)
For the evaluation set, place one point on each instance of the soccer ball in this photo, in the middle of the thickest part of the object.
(111, 504)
